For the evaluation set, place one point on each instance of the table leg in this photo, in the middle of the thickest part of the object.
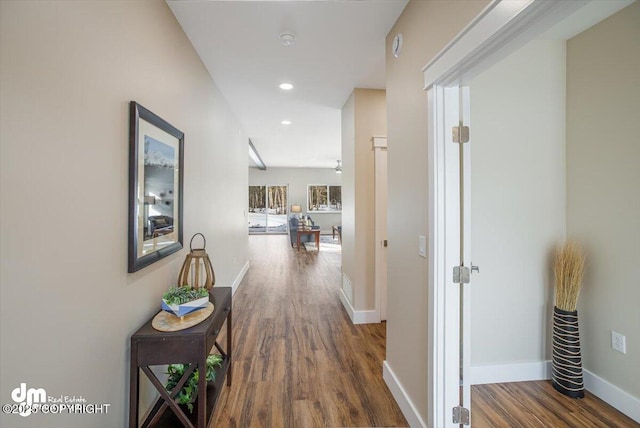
(133, 387)
(298, 233)
(317, 240)
(229, 344)
(202, 392)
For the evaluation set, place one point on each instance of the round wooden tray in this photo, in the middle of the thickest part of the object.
(165, 321)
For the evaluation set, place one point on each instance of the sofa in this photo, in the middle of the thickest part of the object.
(159, 225)
(294, 222)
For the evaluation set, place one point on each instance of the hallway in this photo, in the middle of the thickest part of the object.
(298, 360)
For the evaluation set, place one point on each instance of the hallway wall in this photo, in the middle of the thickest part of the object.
(603, 200)
(518, 205)
(427, 26)
(363, 116)
(68, 70)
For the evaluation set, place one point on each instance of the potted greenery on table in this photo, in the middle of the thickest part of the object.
(189, 391)
(181, 301)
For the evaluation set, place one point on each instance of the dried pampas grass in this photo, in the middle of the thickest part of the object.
(568, 269)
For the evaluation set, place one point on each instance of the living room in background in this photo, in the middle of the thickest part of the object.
(268, 209)
(324, 198)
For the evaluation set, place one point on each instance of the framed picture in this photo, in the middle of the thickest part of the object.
(156, 171)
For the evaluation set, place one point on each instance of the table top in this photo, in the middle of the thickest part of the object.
(221, 299)
(308, 230)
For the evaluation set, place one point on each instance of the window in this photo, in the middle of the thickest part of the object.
(268, 209)
(323, 198)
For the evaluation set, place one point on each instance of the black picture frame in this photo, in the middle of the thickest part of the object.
(156, 183)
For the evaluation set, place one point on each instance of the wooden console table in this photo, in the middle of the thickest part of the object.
(314, 232)
(150, 347)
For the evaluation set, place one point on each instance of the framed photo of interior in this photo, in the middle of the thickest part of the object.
(156, 171)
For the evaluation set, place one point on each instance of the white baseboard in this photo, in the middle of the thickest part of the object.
(611, 394)
(517, 372)
(404, 402)
(358, 317)
(346, 303)
(239, 278)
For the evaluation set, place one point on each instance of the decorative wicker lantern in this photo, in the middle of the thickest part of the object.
(202, 269)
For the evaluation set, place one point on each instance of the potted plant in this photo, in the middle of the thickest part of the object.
(181, 301)
(567, 376)
(189, 391)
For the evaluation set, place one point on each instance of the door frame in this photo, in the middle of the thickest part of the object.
(499, 30)
(379, 145)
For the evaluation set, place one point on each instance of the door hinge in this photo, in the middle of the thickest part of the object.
(462, 274)
(460, 415)
(460, 134)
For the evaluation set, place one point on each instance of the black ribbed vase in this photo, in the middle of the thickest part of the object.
(567, 361)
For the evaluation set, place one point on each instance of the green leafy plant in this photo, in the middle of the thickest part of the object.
(180, 295)
(189, 391)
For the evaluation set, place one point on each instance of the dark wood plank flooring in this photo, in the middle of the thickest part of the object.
(298, 360)
(537, 404)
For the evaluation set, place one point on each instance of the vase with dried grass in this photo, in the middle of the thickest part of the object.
(567, 375)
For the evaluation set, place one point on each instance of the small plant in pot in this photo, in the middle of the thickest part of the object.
(189, 391)
(181, 301)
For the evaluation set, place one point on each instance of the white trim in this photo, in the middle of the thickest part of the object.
(435, 339)
(611, 394)
(515, 372)
(359, 317)
(379, 142)
(380, 225)
(500, 29)
(402, 398)
(240, 277)
(347, 304)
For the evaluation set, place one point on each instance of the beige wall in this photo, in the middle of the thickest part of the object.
(427, 26)
(363, 117)
(517, 202)
(603, 200)
(297, 179)
(348, 193)
(68, 306)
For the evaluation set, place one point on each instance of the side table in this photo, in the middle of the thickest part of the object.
(191, 346)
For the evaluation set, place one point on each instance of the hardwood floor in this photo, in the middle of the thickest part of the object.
(537, 404)
(298, 360)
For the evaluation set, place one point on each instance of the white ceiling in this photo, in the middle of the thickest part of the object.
(339, 46)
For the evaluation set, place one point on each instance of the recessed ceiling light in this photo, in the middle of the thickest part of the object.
(288, 39)
(286, 122)
(286, 86)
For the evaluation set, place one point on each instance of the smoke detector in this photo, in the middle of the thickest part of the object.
(288, 39)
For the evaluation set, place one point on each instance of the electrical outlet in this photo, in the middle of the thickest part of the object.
(618, 342)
